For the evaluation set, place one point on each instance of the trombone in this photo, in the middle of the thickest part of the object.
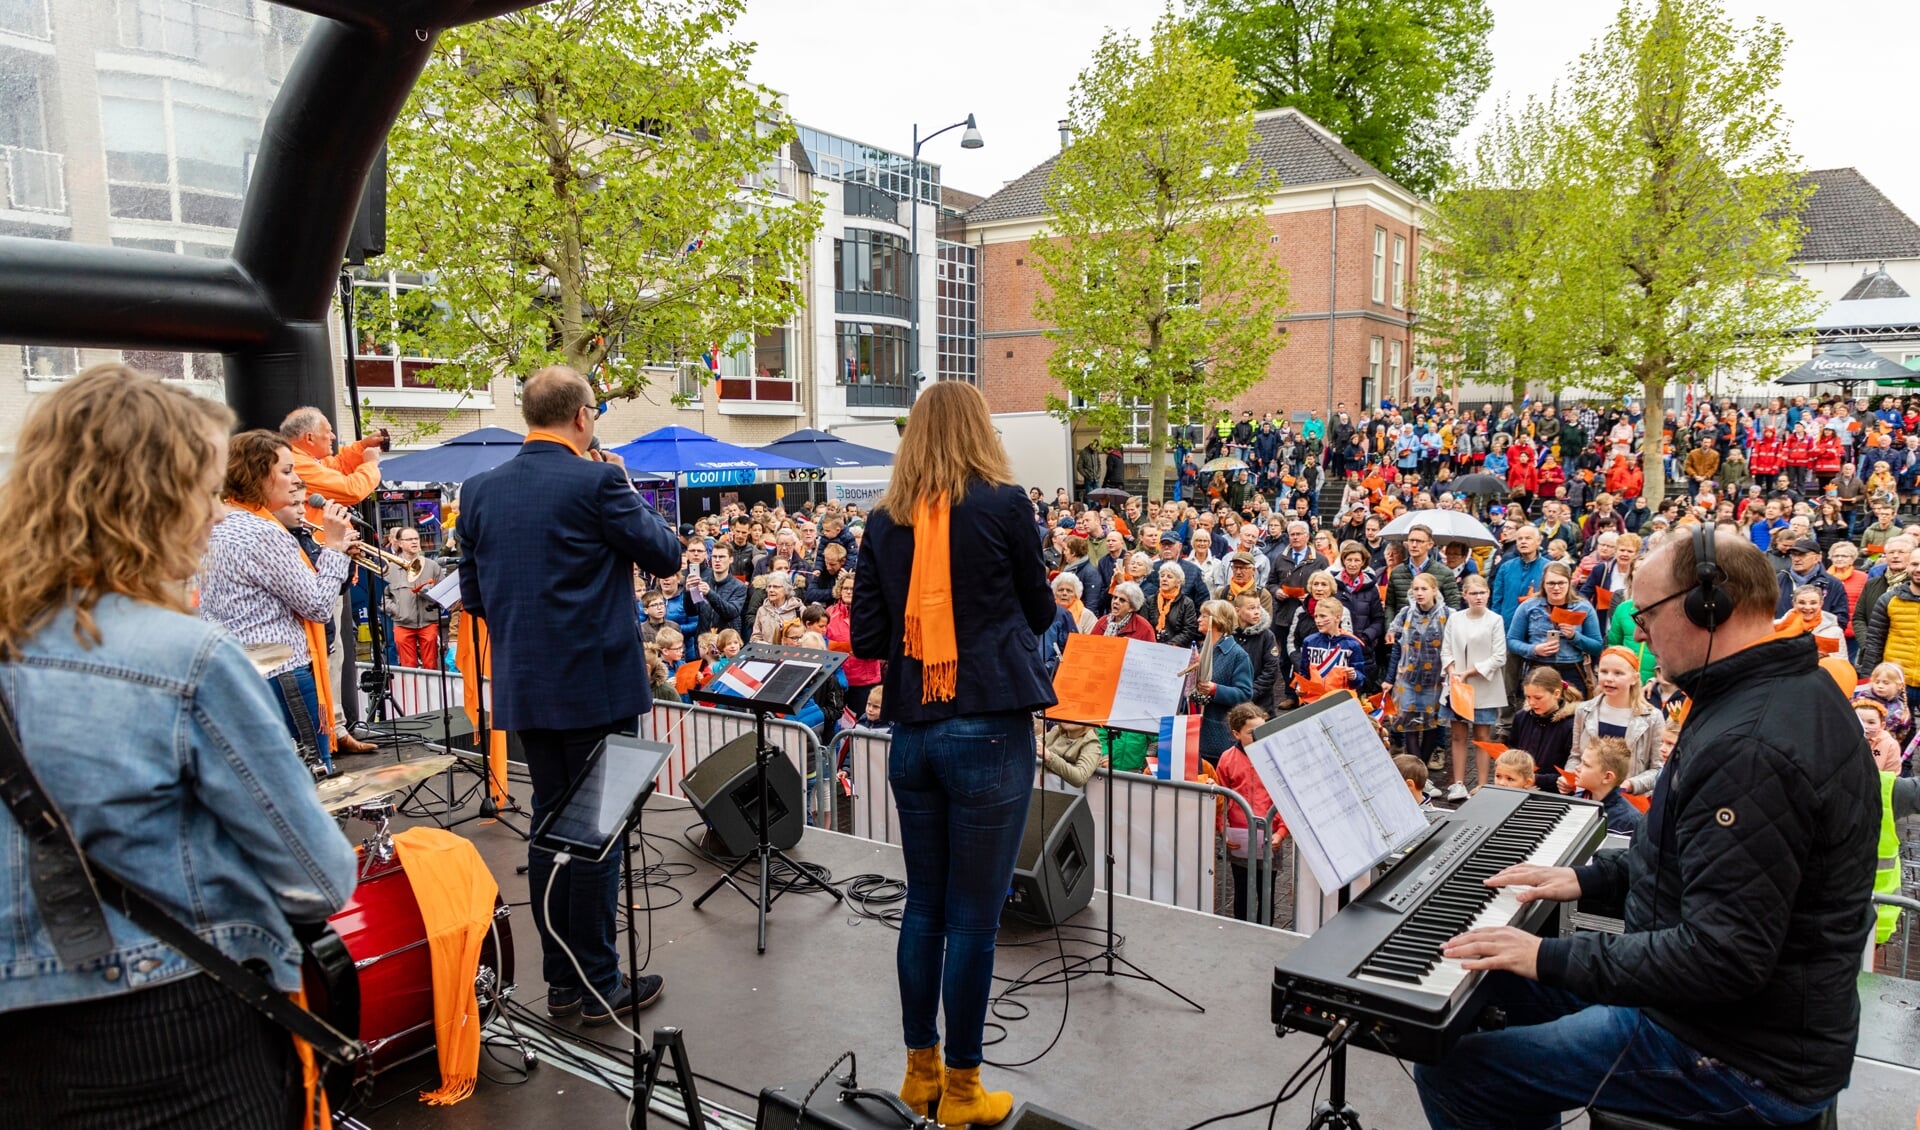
(391, 560)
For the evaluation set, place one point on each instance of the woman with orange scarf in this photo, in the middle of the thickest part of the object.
(1176, 622)
(964, 674)
(259, 584)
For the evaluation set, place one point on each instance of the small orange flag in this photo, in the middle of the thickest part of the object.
(1294, 592)
(1603, 599)
(1566, 617)
(1461, 694)
(1491, 749)
(1827, 644)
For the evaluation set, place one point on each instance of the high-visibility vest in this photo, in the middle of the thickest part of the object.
(1225, 427)
(1886, 875)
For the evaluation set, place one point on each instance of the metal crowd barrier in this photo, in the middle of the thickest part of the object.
(1166, 847)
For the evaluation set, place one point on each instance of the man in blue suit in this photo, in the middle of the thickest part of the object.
(552, 540)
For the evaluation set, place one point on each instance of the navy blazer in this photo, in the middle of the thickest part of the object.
(1001, 605)
(551, 540)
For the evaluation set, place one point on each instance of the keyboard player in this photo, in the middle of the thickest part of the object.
(1730, 997)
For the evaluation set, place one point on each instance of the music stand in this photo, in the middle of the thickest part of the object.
(1108, 949)
(767, 679)
(600, 811)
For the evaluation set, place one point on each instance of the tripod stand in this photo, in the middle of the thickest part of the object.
(1109, 952)
(1336, 1113)
(764, 853)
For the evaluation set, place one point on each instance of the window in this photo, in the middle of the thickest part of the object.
(1393, 364)
(755, 370)
(49, 362)
(1183, 284)
(957, 312)
(1379, 265)
(873, 365)
(1400, 272)
(194, 171)
(870, 270)
(1139, 424)
(1374, 348)
(394, 324)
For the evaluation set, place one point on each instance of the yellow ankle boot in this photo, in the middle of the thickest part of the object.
(925, 1078)
(964, 1103)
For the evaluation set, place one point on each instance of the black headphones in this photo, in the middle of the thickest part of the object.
(1708, 605)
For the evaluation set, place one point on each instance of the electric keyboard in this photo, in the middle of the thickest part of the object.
(1377, 962)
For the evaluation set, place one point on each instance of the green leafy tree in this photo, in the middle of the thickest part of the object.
(593, 183)
(1397, 80)
(1160, 284)
(1662, 223)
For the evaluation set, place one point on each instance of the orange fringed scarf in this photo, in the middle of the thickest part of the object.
(473, 655)
(1166, 602)
(316, 633)
(314, 1115)
(929, 613)
(456, 893)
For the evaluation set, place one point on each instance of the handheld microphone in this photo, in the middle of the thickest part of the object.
(319, 502)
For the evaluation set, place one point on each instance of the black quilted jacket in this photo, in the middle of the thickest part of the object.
(1748, 894)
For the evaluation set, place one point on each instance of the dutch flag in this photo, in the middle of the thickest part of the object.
(1179, 745)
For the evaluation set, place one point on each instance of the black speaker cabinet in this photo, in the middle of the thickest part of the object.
(726, 793)
(459, 733)
(1026, 1116)
(1053, 876)
(830, 1108)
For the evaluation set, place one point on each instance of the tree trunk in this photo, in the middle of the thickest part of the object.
(1157, 449)
(1653, 392)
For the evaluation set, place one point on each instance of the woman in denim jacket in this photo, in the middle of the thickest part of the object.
(153, 734)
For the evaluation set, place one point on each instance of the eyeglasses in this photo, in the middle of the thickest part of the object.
(1640, 614)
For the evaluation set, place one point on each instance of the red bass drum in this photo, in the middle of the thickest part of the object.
(385, 995)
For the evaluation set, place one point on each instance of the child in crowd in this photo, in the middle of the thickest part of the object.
(1329, 655)
(1886, 751)
(658, 677)
(1602, 769)
(1888, 687)
(1413, 771)
(1557, 551)
(696, 671)
(1236, 772)
(815, 616)
(1515, 769)
(1543, 726)
(726, 645)
(1071, 752)
(1473, 651)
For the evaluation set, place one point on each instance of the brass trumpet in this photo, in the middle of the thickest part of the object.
(391, 560)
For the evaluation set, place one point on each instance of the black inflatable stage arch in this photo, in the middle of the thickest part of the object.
(265, 308)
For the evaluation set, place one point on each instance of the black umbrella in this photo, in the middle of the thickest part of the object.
(1103, 495)
(1846, 362)
(1478, 484)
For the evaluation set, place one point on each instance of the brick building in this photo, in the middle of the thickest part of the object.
(1346, 233)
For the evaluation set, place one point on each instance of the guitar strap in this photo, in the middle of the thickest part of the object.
(69, 894)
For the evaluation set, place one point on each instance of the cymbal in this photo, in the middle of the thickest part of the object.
(345, 792)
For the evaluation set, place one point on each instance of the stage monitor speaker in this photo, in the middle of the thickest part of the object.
(1026, 1116)
(726, 793)
(830, 1109)
(1053, 876)
(459, 732)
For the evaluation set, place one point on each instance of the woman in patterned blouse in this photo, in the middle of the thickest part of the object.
(260, 585)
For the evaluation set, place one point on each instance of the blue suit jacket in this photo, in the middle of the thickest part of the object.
(551, 540)
(1001, 605)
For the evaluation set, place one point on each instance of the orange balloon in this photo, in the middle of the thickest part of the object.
(1842, 673)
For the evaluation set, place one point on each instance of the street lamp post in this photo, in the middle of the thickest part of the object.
(971, 139)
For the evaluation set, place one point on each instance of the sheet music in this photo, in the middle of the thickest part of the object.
(1149, 687)
(1335, 784)
(445, 592)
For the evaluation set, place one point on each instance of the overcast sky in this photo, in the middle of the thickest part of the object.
(871, 69)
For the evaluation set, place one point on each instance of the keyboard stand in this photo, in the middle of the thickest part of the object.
(1336, 1113)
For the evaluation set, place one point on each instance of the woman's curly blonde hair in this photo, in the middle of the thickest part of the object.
(107, 494)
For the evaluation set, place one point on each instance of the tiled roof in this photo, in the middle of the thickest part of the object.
(1288, 145)
(1848, 220)
(1879, 284)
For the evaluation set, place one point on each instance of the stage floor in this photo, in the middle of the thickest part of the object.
(1130, 1054)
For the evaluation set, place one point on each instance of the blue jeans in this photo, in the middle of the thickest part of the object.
(309, 700)
(1558, 1051)
(962, 787)
(580, 907)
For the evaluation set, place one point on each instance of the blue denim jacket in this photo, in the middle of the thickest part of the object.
(169, 757)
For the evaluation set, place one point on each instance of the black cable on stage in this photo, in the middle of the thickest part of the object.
(1317, 1061)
